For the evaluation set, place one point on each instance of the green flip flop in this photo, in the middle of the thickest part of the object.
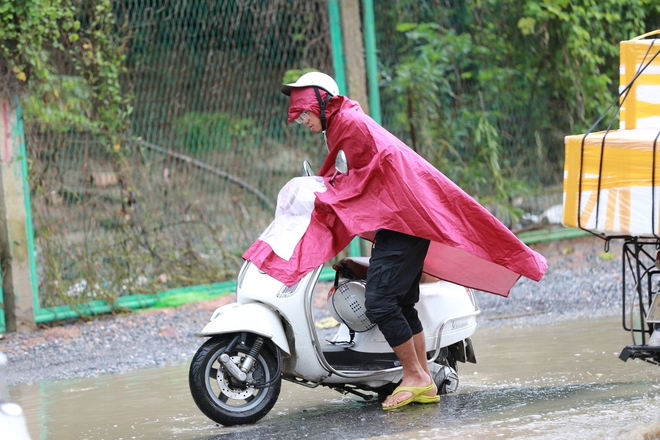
(427, 399)
(415, 391)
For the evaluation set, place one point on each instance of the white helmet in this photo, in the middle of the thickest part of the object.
(346, 304)
(314, 79)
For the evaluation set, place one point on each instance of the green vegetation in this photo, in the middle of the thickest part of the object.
(37, 34)
(63, 104)
(203, 131)
(487, 90)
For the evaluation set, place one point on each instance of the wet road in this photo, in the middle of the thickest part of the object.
(543, 382)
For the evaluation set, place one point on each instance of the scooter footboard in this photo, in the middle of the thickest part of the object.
(252, 318)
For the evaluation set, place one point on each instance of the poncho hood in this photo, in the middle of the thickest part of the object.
(390, 186)
(304, 99)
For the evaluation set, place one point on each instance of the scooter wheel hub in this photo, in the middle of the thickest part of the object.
(224, 382)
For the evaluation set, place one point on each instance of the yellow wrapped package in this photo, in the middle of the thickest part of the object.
(641, 105)
(609, 180)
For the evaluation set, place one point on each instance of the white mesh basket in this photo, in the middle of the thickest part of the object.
(346, 304)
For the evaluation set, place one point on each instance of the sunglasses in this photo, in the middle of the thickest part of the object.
(304, 117)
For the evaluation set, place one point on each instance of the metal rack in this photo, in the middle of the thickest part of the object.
(640, 287)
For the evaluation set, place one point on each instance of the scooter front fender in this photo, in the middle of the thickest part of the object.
(252, 318)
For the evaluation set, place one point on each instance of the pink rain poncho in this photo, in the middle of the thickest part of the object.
(388, 186)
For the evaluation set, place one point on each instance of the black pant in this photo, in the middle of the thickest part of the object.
(392, 290)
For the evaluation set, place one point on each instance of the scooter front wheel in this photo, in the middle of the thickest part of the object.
(223, 398)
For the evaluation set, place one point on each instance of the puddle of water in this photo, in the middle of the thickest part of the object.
(550, 382)
(145, 404)
(545, 382)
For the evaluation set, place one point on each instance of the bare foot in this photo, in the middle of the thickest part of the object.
(433, 392)
(393, 399)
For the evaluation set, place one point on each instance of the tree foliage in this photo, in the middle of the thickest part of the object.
(487, 89)
(69, 55)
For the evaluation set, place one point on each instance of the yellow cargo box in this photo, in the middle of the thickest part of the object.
(612, 179)
(641, 105)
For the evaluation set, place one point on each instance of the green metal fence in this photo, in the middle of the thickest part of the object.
(178, 198)
(176, 202)
(2, 312)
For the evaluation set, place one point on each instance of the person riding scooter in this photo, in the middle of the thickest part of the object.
(415, 216)
(395, 257)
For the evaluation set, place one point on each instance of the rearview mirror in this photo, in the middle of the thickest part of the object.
(341, 166)
(341, 163)
(307, 169)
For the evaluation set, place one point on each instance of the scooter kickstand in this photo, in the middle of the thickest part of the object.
(346, 390)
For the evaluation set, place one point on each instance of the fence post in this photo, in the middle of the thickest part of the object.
(16, 245)
(369, 30)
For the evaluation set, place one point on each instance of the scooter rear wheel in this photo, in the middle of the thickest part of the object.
(447, 378)
(221, 397)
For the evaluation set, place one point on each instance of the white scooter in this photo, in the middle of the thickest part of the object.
(269, 334)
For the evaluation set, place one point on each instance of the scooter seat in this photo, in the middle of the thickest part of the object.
(359, 266)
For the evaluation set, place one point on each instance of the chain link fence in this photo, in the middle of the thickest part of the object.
(176, 202)
(434, 101)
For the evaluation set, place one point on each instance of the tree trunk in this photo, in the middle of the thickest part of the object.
(356, 75)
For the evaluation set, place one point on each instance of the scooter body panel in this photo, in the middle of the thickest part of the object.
(251, 317)
(446, 303)
(271, 309)
(289, 302)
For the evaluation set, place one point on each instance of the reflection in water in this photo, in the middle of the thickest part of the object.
(542, 382)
